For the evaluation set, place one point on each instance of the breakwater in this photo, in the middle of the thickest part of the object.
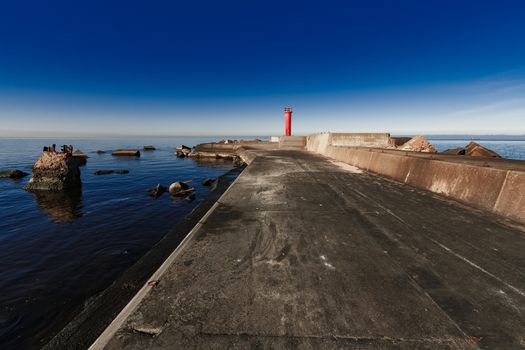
(493, 184)
(307, 251)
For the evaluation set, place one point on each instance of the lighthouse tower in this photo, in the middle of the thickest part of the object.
(288, 121)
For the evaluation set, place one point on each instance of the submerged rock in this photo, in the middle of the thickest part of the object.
(55, 171)
(149, 148)
(12, 174)
(418, 144)
(157, 191)
(100, 152)
(107, 172)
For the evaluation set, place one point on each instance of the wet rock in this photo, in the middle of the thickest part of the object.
(190, 198)
(107, 172)
(177, 187)
(55, 171)
(126, 153)
(208, 182)
(182, 151)
(149, 148)
(157, 191)
(104, 172)
(12, 174)
(459, 151)
(418, 144)
(100, 152)
(476, 150)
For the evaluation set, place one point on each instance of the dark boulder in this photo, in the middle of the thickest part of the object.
(149, 148)
(100, 152)
(104, 172)
(12, 174)
(157, 191)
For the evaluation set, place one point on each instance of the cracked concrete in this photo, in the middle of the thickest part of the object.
(303, 253)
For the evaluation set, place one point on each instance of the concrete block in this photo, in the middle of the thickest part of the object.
(511, 199)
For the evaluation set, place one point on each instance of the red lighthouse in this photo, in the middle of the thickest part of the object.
(288, 121)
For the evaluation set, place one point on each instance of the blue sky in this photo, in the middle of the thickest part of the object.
(229, 67)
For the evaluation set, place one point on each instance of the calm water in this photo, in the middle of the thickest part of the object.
(506, 149)
(57, 250)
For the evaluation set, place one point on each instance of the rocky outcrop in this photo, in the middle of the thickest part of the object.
(418, 144)
(55, 171)
(12, 174)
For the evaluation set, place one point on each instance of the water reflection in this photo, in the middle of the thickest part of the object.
(61, 206)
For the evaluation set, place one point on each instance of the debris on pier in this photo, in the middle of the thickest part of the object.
(55, 171)
(418, 144)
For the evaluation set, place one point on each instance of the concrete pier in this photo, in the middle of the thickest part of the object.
(305, 252)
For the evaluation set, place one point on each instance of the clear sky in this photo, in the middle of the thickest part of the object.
(229, 67)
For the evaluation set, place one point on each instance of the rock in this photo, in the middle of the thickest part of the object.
(149, 148)
(104, 172)
(55, 171)
(107, 172)
(80, 157)
(208, 182)
(182, 151)
(418, 144)
(12, 174)
(459, 151)
(476, 150)
(127, 153)
(157, 191)
(100, 152)
(190, 198)
(79, 154)
(177, 187)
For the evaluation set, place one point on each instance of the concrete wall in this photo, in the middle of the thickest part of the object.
(498, 189)
(360, 139)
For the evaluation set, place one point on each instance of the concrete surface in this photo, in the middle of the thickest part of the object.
(494, 184)
(361, 139)
(308, 253)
